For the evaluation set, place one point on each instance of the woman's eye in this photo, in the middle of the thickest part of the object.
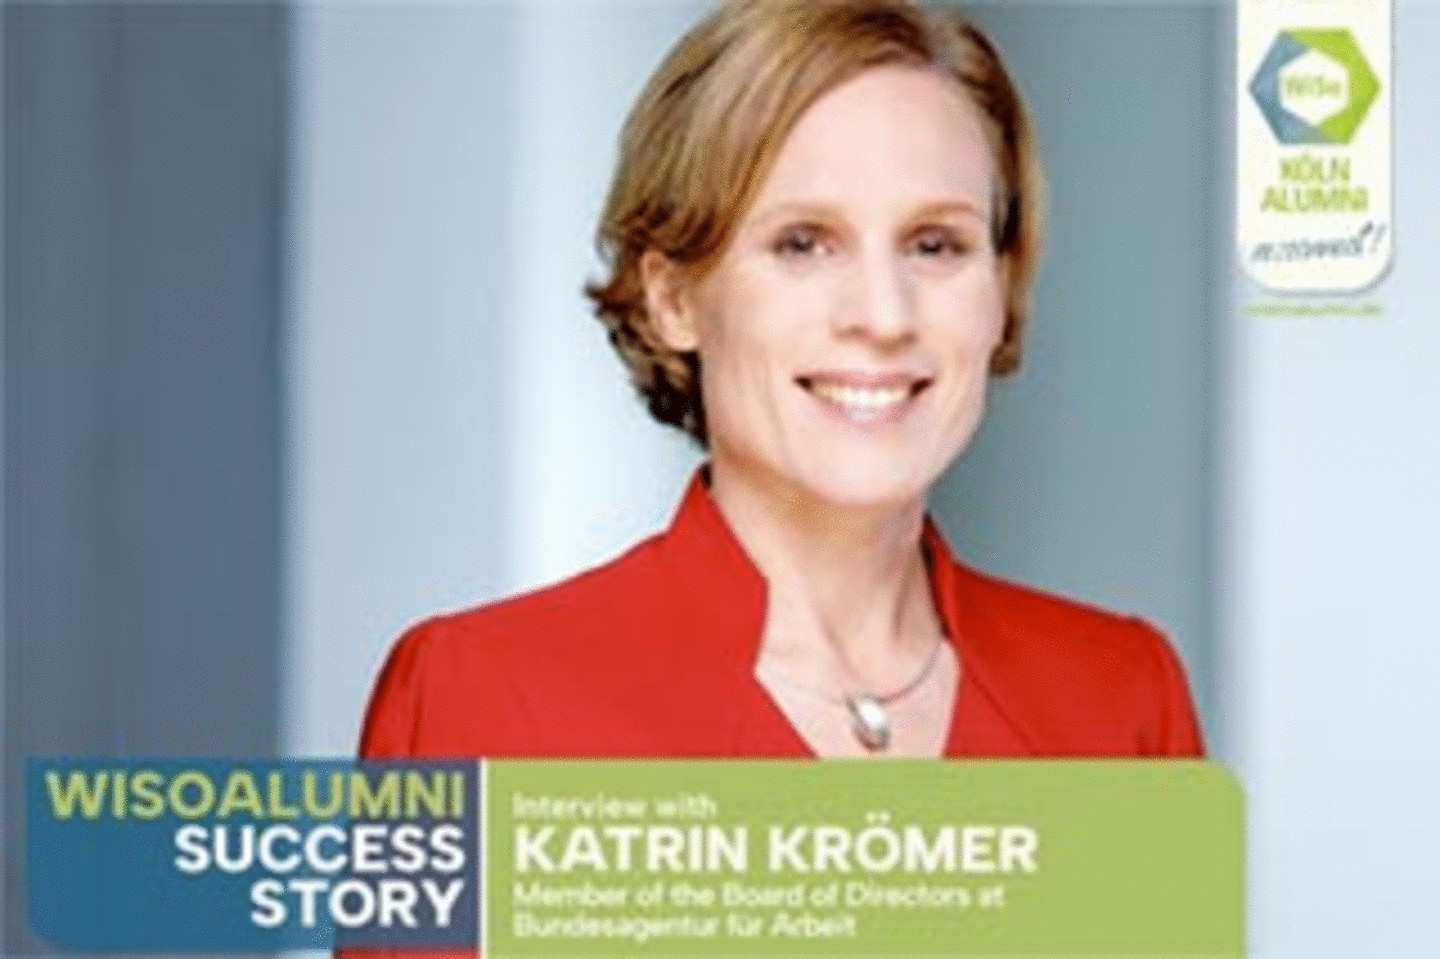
(940, 243)
(801, 241)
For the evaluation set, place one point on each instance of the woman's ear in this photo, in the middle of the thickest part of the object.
(668, 302)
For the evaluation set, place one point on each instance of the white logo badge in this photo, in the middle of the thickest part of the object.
(1313, 174)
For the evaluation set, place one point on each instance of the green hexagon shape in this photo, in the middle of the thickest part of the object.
(1341, 47)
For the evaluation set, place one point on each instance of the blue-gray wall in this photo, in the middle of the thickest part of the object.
(144, 162)
(1093, 474)
(460, 428)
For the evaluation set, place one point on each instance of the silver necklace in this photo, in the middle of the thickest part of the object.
(870, 722)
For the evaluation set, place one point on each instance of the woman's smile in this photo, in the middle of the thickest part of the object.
(868, 399)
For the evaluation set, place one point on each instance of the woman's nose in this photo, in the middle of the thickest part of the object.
(880, 305)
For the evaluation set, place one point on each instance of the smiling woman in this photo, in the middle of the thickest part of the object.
(820, 240)
(846, 329)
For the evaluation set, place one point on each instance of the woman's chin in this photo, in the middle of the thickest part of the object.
(864, 486)
(831, 476)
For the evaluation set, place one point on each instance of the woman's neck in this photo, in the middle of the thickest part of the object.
(851, 578)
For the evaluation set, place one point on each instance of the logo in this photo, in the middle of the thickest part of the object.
(1314, 202)
(1314, 87)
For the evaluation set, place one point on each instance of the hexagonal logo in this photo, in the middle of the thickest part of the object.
(1314, 87)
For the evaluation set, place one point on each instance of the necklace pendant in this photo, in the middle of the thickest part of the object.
(872, 726)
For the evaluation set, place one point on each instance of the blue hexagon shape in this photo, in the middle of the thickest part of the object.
(1361, 89)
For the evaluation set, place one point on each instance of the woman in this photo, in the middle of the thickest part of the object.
(821, 239)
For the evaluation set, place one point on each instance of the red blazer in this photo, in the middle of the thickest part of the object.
(653, 654)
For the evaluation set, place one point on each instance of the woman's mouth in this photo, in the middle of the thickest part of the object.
(865, 399)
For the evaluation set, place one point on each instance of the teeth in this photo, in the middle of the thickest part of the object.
(861, 397)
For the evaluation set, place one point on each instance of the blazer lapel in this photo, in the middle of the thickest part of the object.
(717, 607)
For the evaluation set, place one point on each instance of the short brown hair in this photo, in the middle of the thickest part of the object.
(709, 123)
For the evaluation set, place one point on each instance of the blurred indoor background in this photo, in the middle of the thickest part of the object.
(295, 354)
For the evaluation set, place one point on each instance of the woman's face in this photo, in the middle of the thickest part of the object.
(845, 333)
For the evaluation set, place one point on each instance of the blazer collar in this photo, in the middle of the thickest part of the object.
(725, 599)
